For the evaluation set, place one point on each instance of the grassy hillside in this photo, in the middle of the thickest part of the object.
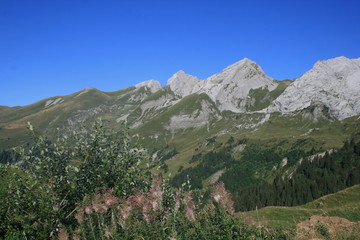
(343, 204)
(66, 112)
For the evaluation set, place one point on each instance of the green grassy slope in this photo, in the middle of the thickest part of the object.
(345, 204)
(13, 121)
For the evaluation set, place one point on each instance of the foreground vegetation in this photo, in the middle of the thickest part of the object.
(97, 186)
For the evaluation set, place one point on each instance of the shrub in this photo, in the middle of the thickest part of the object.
(164, 213)
(93, 185)
(58, 175)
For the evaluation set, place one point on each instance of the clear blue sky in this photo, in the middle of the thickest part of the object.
(57, 47)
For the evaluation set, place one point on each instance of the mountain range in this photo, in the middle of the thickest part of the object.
(189, 116)
(272, 143)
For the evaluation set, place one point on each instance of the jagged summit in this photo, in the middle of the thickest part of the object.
(230, 87)
(240, 63)
(152, 85)
(339, 64)
(182, 84)
(241, 71)
(334, 83)
(331, 89)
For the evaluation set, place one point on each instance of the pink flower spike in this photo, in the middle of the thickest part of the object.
(63, 235)
(79, 218)
(88, 210)
(217, 198)
(190, 215)
(108, 233)
(125, 211)
(111, 201)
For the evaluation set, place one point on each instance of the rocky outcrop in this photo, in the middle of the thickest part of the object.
(334, 83)
(230, 88)
(182, 84)
(152, 85)
(198, 118)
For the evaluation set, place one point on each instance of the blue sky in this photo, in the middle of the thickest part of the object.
(58, 47)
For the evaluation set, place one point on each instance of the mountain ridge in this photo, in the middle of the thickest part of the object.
(334, 83)
(241, 88)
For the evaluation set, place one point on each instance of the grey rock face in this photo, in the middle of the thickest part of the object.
(182, 84)
(230, 88)
(334, 83)
(152, 85)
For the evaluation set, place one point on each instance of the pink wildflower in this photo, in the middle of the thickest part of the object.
(156, 189)
(110, 201)
(108, 233)
(75, 236)
(190, 215)
(156, 193)
(63, 235)
(177, 200)
(104, 208)
(97, 196)
(155, 205)
(88, 210)
(125, 211)
(217, 198)
(222, 197)
(146, 217)
(187, 201)
(100, 208)
(146, 207)
(190, 205)
(79, 217)
(137, 200)
(156, 182)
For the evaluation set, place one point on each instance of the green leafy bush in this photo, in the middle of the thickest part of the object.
(58, 175)
(95, 185)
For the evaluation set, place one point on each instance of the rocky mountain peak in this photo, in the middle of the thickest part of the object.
(231, 86)
(337, 66)
(242, 71)
(246, 67)
(152, 85)
(242, 62)
(334, 83)
(182, 84)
